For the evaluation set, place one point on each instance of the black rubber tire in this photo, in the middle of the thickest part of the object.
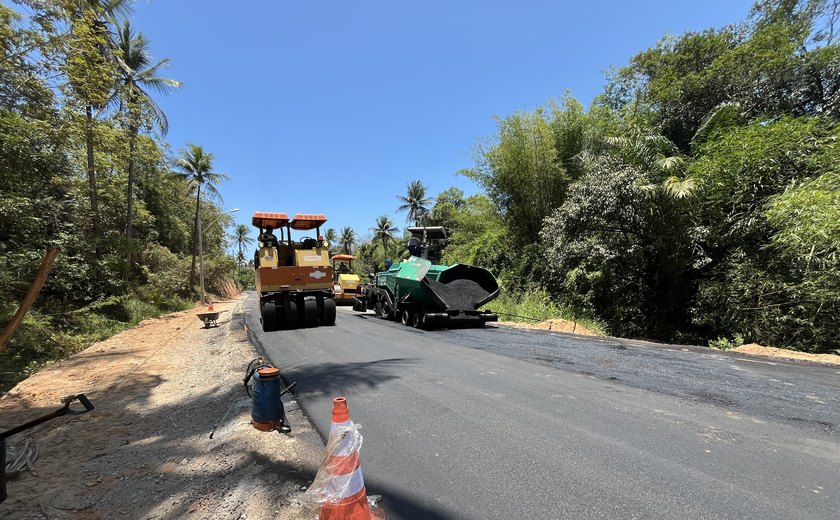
(387, 312)
(310, 312)
(407, 318)
(291, 314)
(377, 309)
(269, 317)
(329, 312)
(417, 322)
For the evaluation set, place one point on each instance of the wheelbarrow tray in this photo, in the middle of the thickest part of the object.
(209, 317)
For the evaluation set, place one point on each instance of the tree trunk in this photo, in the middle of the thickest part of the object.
(239, 263)
(91, 171)
(129, 219)
(195, 237)
(133, 129)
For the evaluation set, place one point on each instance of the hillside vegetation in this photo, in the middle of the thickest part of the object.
(696, 199)
(83, 165)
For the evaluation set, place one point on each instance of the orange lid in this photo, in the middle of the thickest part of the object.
(269, 371)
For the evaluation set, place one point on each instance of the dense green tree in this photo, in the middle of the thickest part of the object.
(780, 169)
(447, 204)
(529, 167)
(784, 62)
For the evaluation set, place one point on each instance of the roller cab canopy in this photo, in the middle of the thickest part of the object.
(300, 222)
(341, 257)
(262, 219)
(305, 221)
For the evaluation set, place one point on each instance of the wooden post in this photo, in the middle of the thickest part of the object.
(31, 295)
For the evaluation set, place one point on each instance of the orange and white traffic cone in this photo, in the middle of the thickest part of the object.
(210, 306)
(345, 486)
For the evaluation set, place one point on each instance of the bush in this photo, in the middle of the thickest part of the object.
(536, 303)
(726, 343)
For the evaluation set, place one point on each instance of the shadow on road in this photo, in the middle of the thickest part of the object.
(338, 377)
(403, 507)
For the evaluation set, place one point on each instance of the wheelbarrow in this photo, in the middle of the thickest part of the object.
(209, 318)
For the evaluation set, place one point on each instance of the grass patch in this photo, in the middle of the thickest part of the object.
(538, 305)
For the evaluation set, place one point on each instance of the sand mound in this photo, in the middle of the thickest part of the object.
(760, 350)
(554, 325)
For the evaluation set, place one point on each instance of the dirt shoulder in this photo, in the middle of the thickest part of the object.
(553, 325)
(159, 390)
(754, 349)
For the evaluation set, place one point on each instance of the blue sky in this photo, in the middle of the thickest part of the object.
(334, 106)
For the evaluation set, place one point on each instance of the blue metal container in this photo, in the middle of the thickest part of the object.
(267, 412)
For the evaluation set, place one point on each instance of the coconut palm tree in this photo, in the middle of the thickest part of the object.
(415, 202)
(332, 237)
(240, 236)
(137, 77)
(89, 25)
(196, 167)
(347, 240)
(384, 231)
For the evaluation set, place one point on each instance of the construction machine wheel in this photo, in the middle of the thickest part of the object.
(377, 308)
(290, 314)
(269, 316)
(417, 320)
(310, 312)
(407, 318)
(388, 311)
(329, 311)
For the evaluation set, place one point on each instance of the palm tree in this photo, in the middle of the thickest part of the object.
(658, 157)
(240, 235)
(138, 76)
(415, 202)
(347, 240)
(88, 19)
(332, 238)
(384, 231)
(196, 167)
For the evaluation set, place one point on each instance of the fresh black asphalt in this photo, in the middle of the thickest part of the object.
(499, 423)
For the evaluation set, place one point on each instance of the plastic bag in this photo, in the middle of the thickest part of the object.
(338, 491)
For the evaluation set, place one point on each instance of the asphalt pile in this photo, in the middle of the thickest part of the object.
(460, 294)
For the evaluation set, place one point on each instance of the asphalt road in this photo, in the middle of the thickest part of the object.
(499, 423)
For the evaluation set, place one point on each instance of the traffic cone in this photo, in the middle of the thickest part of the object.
(345, 485)
(210, 307)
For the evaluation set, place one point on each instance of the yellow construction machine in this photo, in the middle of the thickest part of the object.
(294, 278)
(345, 282)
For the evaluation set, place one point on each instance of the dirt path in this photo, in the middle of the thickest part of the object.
(144, 452)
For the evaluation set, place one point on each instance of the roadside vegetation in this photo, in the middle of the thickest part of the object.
(697, 198)
(84, 165)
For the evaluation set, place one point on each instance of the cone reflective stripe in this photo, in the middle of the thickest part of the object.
(346, 484)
